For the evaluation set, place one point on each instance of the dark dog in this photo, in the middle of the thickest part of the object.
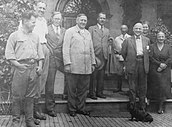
(139, 115)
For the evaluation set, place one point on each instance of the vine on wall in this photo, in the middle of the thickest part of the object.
(160, 26)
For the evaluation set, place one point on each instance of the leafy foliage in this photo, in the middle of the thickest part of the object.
(160, 26)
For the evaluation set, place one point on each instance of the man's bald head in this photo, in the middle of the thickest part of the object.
(138, 29)
(138, 25)
(124, 29)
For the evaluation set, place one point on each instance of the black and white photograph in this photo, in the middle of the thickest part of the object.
(85, 63)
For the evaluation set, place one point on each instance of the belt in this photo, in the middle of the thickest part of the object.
(28, 61)
(139, 57)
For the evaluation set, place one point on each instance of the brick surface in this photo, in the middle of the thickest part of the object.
(64, 120)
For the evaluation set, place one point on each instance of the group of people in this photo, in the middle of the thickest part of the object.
(36, 51)
(147, 65)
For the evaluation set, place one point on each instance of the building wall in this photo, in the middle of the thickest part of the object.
(116, 20)
(149, 13)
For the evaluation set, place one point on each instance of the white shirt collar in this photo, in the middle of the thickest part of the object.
(100, 26)
(55, 28)
(80, 30)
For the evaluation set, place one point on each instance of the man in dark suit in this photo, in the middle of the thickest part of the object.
(100, 35)
(135, 51)
(54, 43)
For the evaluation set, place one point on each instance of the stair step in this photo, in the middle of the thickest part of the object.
(114, 103)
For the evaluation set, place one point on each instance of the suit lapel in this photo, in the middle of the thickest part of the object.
(134, 43)
(62, 32)
(52, 32)
(56, 38)
(98, 31)
(104, 31)
(143, 43)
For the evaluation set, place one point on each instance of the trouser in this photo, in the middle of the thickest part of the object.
(97, 82)
(138, 84)
(119, 82)
(49, 87)
(120, 75)
(77, 91)
(65, 86)
(28, 107)
(24, 89)
(43, 78)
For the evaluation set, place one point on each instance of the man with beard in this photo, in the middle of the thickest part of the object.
(135, 51)
(100, 35)
(24, 51)
(79, 61)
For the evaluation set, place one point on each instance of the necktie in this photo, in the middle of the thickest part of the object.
(102, 29)
(58, 30)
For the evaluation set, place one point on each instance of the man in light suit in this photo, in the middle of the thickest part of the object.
(117, 45)
(79, 62)
(100, 35)
(54, 43)
(135, 51)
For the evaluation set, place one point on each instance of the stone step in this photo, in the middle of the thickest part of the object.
(100, 105)
(114, 103)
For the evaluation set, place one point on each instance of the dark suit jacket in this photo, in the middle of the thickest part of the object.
(54, 44)
(100, 43)
(129, 53)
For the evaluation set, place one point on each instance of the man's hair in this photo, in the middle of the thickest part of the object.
(101, 13)
(27, 15)
(40, 1)
(124, 25)
(146, 22)
(160, 32)
(55, 13)
(81, 14)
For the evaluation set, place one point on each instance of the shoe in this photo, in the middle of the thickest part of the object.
(160, 111)
(93, 97)
(87, 113)
(101, 96)
(52, 113)
(15, 124)
(73, 114)
(38, 115)
(36, 121)
(30, 123)
(64, 97)
(117, 90)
